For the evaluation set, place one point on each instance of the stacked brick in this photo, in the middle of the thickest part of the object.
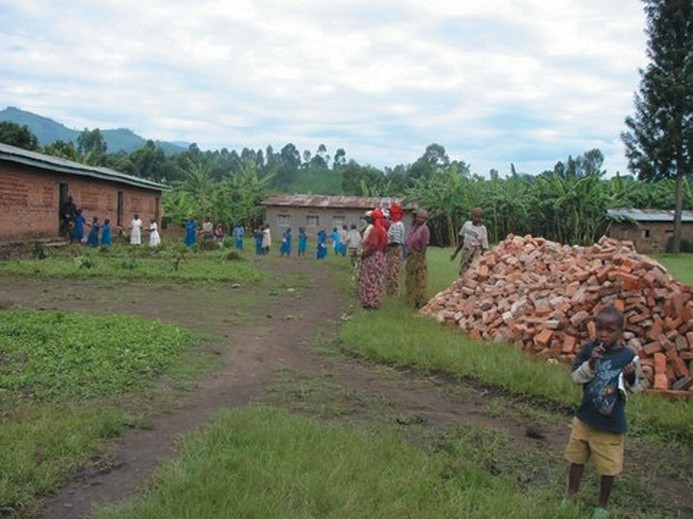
(542, 297)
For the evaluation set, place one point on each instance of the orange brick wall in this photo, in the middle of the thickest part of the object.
(30, 201)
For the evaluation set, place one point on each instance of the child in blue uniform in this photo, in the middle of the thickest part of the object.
(106, 233)
(302, 241)
(93, 236)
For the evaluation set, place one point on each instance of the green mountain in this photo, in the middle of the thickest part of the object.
(48, 131)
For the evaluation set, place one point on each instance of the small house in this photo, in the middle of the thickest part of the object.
(34, 187)
(648, 229)
(315, 212)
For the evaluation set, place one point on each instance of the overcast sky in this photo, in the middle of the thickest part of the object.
(494, 82)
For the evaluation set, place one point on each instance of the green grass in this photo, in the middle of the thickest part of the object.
(398, 336)
(267, 463)
(65, 379)
(680, 266)
(76, 355)
(169, 263)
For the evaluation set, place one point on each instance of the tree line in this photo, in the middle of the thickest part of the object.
(567, 204)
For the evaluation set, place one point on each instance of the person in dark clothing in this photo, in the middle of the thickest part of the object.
(606, 368)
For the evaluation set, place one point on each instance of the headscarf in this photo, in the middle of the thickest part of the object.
(396, 212)
(379, 228)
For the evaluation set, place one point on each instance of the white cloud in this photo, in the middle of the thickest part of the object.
(529, 81)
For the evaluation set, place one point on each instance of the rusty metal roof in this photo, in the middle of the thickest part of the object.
(59, 165)
(342, 202)
(648, 215)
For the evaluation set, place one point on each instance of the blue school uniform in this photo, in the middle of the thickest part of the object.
(106, 235)
(93, 237)
(190, 233)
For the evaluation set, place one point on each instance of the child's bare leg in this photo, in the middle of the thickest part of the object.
(606, 484)
(574, 479)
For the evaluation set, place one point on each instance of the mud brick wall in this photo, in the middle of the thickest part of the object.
(649, 237)
(30, 201)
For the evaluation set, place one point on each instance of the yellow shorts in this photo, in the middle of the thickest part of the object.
(605, 448)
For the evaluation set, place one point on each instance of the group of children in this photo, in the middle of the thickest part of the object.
(101, 233)
(344, 240)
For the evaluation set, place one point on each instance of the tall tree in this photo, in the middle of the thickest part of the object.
(659, 143)
(19, 136)
(92, 145)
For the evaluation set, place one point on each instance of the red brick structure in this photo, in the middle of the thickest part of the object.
(33, 188)
(648, 229)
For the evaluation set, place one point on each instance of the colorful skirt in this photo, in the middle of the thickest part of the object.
(416, 279)
(394, 268)
(371, 280)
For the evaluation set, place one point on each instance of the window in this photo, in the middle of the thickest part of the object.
(645, 233)
(283, 220)
(312, 221)
(119, 212)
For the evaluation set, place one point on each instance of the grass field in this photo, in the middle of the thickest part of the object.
(168, 263)
(303, 454)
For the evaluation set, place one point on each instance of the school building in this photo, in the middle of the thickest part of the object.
(315, 212)
(34, 187)
(648, 229)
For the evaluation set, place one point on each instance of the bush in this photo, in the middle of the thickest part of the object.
(208, 245)
(686, 245)
(229, 242)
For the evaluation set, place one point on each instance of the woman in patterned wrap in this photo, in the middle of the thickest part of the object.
(373, 262)
(395, 244)
(417, 268)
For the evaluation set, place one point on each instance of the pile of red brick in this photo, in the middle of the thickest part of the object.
(542, 297)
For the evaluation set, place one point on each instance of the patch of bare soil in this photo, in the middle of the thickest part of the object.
(266, 331)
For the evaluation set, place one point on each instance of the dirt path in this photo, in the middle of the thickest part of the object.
(265, 334)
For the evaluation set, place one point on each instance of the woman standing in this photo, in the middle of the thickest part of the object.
(373, 262)
(417, 268)
(136, 230)
(395, 245)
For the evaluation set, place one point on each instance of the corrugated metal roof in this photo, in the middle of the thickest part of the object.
(345, 202)
(59, 165)
(648, 215)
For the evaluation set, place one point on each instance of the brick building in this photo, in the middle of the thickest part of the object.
(648, 229)
(315, 212)
(33, 188)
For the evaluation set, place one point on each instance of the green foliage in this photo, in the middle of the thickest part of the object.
(19, 136)
(45, 444)
(328, 471)
(397, 336)
(685, 246)
(679, 265)
(659, 140)
(171, 261)
(60, 355)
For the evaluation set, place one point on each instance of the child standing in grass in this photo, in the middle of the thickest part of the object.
(285, 249)
(106, 233)
(302, 241)
(606, 368)
(93, 237)
(154, 237)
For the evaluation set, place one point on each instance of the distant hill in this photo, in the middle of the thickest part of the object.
(48, 131)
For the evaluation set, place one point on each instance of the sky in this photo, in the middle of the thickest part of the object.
(494, 82)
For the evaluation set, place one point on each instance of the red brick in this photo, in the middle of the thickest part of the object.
(543, 338)
(568, 344)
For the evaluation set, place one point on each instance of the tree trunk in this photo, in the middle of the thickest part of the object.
(678, 211)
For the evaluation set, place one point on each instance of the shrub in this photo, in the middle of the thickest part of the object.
(686, 245)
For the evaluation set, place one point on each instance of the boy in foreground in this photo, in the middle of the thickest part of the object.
(606, 368)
